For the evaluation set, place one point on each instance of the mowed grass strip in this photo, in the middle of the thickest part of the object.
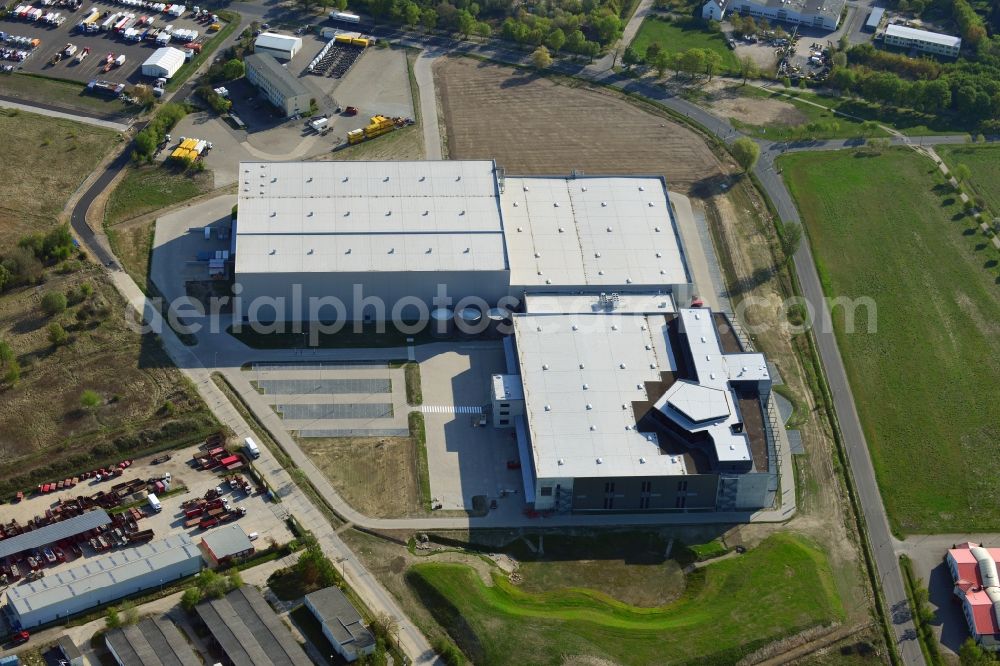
(729, 609)
(148, 188)
(42, 162)
(925, 380)
(677, 36)
(984, 163)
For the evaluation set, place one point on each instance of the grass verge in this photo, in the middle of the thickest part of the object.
(148, 188)
(69, 95)
(418, 434)
(890, 235)
(984, 163)
(922, 615)
(133, 245)
(677, 36)
(728, 610)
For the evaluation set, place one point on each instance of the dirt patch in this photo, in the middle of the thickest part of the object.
(758, 111)
(375, 475)
(534, 125)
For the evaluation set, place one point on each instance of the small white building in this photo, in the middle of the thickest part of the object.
(277, 84)
(282, 47)
(163, 63)
(923, 40)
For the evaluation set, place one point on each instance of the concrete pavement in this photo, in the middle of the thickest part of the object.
(423, 72)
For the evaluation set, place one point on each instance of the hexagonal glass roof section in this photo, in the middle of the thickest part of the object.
(698, 403)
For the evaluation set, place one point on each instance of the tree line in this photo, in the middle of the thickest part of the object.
(577, 26)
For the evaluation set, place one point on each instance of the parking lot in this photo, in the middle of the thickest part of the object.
(464, 458)
(263, 515)
(55, 38)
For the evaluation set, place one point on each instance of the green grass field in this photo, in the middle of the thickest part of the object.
(148, 188)
(984, 162)
(728, 610)
(674, 36)
(888, 228)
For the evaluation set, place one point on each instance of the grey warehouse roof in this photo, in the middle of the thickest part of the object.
(228, 540)
(341, 618)
(248, 631)
(830, 8)
(368, 216)
(283, 81)
(591, 231)
(151, 642)
(54, 532)
(99, 573)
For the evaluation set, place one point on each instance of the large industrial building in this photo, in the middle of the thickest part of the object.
(102, 580)
(977, 585)
(824, 14)
(620, 396)
(403, 232)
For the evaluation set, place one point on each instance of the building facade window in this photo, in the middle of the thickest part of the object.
(546, 491)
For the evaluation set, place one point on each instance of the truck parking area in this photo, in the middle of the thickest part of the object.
(54, 38)
(253, 511)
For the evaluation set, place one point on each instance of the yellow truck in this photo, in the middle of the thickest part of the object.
(377, 126)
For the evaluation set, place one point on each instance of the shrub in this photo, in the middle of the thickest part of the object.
(53, 303)
(57, 334)
(90, 399)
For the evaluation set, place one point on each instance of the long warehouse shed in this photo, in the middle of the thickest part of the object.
(64, 529)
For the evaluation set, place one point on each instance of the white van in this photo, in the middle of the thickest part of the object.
(154, 503)
(251, 448)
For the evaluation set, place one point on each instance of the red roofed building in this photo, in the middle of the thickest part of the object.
(977, 584)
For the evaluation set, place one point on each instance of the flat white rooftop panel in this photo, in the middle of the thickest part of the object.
(577, 415)
(604, 231)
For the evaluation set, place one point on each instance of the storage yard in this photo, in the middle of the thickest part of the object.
(186, 494)
(117, 30)
(491, 110)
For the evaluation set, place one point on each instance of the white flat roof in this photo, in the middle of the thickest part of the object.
(579, 385)
(123, 565)
(507, 387)
(623, 303)
(593, 231)
(701, 411)
(371, 216)
(273, 40)
(905, 32)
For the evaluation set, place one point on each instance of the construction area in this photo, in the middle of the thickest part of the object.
(571, 128)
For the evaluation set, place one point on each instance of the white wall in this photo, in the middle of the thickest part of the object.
(111, 593)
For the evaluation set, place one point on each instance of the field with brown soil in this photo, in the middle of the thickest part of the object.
(44, 424)
(376, 475)
(533, 125)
